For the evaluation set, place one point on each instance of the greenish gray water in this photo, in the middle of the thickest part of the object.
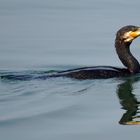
(40, 37)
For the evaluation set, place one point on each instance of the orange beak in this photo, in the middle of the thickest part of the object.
(135, 34)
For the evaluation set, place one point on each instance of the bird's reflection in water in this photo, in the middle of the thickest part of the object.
(129, 101)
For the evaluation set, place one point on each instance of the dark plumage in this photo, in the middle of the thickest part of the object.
(124, 38)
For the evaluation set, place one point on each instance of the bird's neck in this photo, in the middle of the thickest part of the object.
(123, 51)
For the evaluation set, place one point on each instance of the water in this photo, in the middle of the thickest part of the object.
(40, 37)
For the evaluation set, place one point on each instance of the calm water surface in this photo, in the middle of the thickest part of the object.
(40, 37)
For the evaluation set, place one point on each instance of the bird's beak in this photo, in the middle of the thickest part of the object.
(135, 34)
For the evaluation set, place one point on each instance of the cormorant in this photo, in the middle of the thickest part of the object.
(124, 38)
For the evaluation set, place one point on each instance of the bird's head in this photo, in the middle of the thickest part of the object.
(128, 33)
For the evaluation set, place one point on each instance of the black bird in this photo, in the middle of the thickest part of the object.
(124, 38)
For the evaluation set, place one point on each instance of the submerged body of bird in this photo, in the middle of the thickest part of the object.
(124, 38)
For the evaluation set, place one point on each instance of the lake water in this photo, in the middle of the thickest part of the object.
(38, 37)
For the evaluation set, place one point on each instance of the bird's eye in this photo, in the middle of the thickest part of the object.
(134, 29)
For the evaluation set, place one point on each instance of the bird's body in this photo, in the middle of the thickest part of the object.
(97, 72)
(124, 38)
